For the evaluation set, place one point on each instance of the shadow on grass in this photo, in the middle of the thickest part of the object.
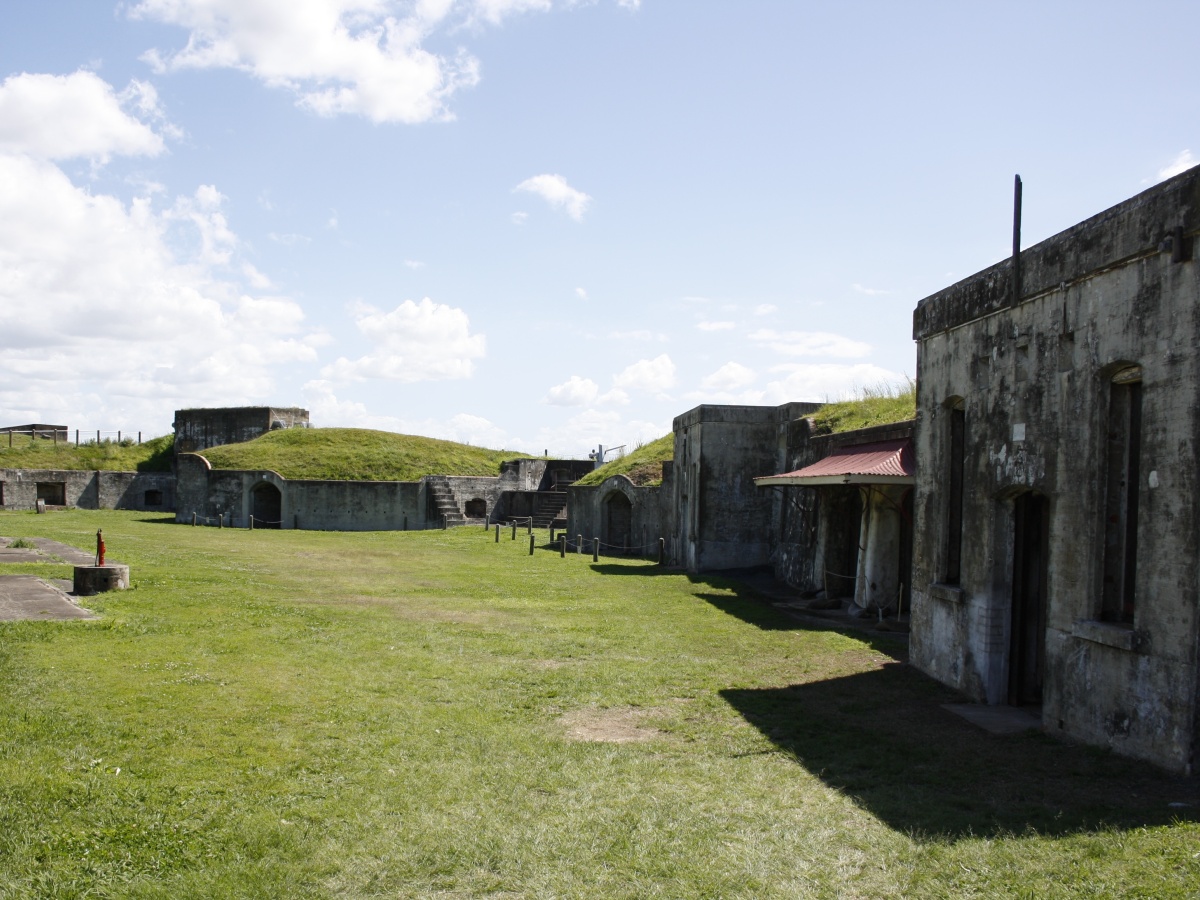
(882, 738)
(162, 520)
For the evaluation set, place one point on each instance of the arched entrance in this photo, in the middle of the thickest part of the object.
(266, 506)
(618, 522)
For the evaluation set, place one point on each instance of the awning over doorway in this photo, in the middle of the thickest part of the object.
(884, 462)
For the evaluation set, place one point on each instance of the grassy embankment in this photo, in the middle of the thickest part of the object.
(357, 454)
(319, 715)
(881, 405)
(643, 466)
(153, 455)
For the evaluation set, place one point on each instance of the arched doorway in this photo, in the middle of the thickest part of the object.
(618, 522)
(267, 506)
(1027, 638)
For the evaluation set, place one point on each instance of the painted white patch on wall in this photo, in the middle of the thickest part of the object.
(1153, 479)
(1018, 433)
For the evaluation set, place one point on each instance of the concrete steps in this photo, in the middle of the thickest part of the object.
(551, 507)
(443, 498)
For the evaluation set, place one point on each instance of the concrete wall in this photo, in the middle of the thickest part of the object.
(89, 489)
(199, 429)
(1035, 384)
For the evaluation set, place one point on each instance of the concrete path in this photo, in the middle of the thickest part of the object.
(997, 719)
(31, 597)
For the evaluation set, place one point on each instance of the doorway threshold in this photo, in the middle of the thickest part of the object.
(998, 719)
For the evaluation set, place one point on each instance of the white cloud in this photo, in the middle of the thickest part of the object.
(337, 56)
(729, 377)
(581, 293)
(518, 218)
(77, 115)
(494, 11)
(870, 292)
(716, 326)
(810, 343)
(821, 382)
(288, 239)
(560, 195)
(328, 410)
(765, 309)
(332, 222)
(414, 264)
(575, 391)
(423, 341)
(110, 313)
(1181, 163)
(582, 432)
(655, 374)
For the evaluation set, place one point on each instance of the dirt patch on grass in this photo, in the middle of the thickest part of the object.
(610, 726)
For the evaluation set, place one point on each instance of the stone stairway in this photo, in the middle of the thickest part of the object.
(550, 507)
(443, 499)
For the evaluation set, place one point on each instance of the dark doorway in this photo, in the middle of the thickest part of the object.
(267, 506)
(1031, 552)
(476, 509)
(618, 522)
(841, 514)
(906, 551)
(52, 493)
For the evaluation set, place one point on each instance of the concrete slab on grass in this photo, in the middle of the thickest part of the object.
(996, 719)
(30, 597)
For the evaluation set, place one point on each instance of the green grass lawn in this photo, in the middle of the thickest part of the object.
(277, 714)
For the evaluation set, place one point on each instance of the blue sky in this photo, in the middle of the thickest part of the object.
(536, 224)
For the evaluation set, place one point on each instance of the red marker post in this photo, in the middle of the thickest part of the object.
(100, 548)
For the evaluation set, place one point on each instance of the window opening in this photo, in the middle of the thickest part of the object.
(954, 499)
(1124, 439)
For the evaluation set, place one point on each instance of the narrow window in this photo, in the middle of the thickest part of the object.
(153, 498)
(1124, 444)
(954, 494)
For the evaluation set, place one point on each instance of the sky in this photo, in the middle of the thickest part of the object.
(538, 225)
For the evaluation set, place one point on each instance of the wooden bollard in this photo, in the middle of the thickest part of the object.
(250, 527)
(497, 532)
(531, 545)
(514, 526)
(531, 524)
(552, 534)
(579, 543)
(193, 518)
(662, 551)
(221, 520)
(562, 545)
(485, 523)
(595, 549)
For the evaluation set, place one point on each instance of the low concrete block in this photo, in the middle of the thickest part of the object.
(91, 580)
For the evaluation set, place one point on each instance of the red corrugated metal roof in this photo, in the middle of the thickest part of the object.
(879, 463)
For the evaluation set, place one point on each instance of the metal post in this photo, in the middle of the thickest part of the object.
(118, 436)
(97, 435)
(531, 524)
(221, 520)
(139, 439)
(531, 545)
(595, 549)
(562, 545)
(662, 551)
(193, 518)
(579, 543)
(497, 532)
(514, 529)
(76, 437)
(250, 527)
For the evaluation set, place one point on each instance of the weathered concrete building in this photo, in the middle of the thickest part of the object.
(199, 429)
(23, 488)
(721, 520)
(1057, 555)
(628, 519)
